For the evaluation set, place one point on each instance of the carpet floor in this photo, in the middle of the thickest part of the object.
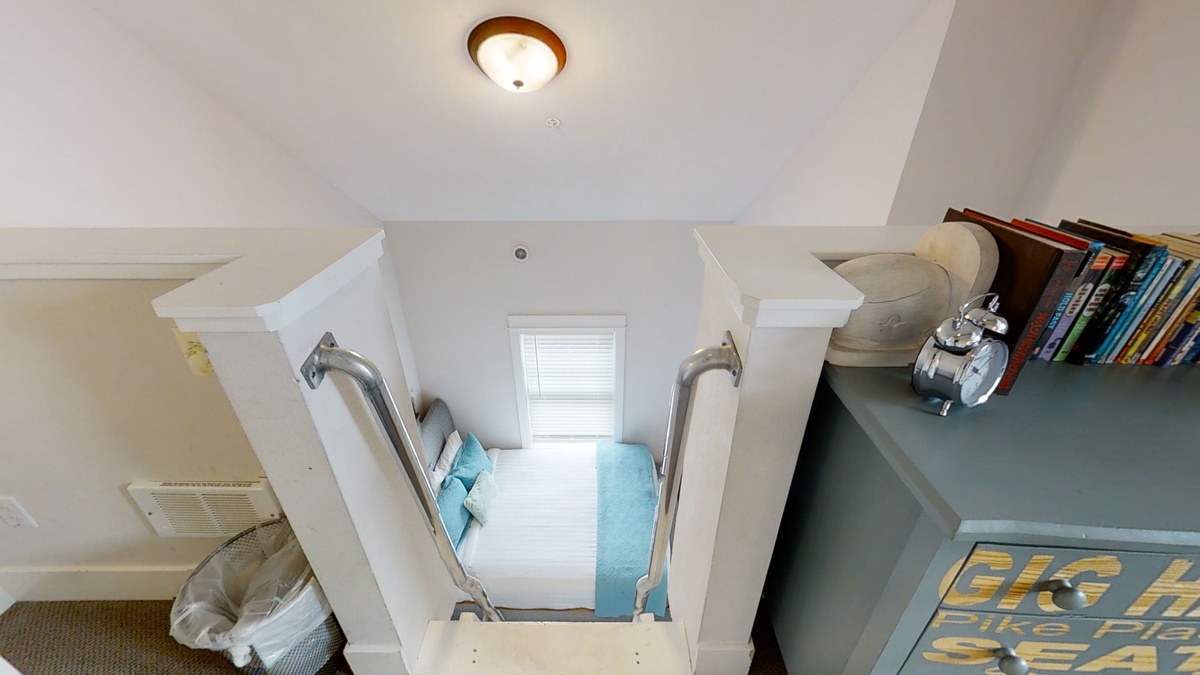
(56, 638)
(128, 638)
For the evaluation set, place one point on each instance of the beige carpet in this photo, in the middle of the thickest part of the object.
(120, 638)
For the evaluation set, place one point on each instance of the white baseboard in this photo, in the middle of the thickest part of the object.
(6, 600)
(374, 660)
(92, 583)
(714, 658)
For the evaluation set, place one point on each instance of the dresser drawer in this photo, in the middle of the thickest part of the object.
(962, 642)
(1001, 578)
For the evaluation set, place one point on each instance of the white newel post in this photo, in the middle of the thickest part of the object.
(780, 303)
(331, 468)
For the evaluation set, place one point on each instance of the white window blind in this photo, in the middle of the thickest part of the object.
(569, 383)
(569, 380)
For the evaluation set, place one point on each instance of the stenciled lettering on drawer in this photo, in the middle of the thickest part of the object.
(959, 641)
(1015, 578)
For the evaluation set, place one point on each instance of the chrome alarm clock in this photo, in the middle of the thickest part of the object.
(959, 363)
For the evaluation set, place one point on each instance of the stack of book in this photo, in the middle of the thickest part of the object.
(1088, 293)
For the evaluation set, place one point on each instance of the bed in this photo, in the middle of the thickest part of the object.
(559, 516)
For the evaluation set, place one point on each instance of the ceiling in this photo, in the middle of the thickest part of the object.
(669, 109)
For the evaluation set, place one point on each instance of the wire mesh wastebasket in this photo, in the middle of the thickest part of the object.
(205, 614)
(319, 654)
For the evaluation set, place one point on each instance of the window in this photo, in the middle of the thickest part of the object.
(570, 376)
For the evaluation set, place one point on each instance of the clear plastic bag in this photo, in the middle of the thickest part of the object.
(257, 592)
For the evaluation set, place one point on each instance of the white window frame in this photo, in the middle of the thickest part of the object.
(519, 325)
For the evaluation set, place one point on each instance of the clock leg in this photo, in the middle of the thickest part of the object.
(945, 408)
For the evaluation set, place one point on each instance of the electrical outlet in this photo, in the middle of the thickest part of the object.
(14, 515)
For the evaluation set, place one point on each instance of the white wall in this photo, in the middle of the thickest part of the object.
(1125, 149)
(847, 171)
(97, 131)
(1004, 70)
(99, 396)
(459, 283)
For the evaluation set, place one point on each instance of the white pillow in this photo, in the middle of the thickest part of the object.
(444, 461)
(479, 500)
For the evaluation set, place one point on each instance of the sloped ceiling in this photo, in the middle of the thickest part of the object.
(669, 109)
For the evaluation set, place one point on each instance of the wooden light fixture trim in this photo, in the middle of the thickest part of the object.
(514, 24)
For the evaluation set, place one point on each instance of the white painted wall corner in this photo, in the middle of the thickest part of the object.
(6, 601)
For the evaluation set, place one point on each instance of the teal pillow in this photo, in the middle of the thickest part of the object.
(470, 461)
(455, 515)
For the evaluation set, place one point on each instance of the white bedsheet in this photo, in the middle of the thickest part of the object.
(538, 549)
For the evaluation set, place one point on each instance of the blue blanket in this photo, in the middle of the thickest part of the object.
(624, 528)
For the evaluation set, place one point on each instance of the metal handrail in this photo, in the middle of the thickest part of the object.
(724, 357)
(327, 356)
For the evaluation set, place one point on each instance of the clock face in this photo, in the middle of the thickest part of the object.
(981, 372)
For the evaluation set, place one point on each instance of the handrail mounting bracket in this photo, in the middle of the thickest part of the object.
(735, 373)
(313, 375)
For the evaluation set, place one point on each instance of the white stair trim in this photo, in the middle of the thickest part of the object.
(541, 648)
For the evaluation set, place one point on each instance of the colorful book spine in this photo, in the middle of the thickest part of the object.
(1054, 290)
(1119, 300)
(1179, 312)
(1048, 333)
(1134, 292)
(1174, 324)
(1080, 297)
(1156, 321)
(1158, 285)
(1091, 249)
(1101, 293)
(1169, 341)
(1142, 331)
(1193, 354)
(1124, 286)
(1187, 354)
(1181, 338)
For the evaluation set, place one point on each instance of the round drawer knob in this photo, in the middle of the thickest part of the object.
(1010, 663)
(1065, 595)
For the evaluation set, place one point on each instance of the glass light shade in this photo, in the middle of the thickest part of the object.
(520, 55)
(517, 62)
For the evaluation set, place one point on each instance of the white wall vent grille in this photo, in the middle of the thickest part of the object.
(204, 509)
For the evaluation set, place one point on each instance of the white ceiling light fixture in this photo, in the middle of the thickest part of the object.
(518, 54)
